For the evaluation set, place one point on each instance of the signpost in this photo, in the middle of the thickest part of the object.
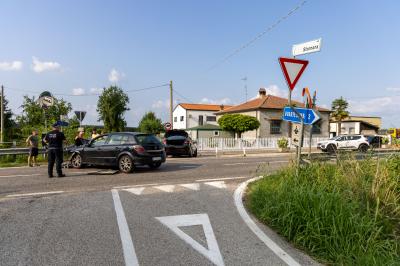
(296, 135)
(307, 47)
(167, 126)
(45, 100)
(309, 116)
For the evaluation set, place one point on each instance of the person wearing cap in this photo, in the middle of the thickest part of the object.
(55, 139)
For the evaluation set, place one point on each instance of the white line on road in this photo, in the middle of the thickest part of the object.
(221, 178)
(34, 194)
(256, 230)
(126, 239)
(144, 185)
(217, 184)
(166, 188)
(192, 186)
(18, 175)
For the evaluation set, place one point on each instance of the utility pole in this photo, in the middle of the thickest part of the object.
(171, 103)
(2, 114)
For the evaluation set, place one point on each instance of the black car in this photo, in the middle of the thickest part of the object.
(375, 141)
(178, 142)
(124, 150)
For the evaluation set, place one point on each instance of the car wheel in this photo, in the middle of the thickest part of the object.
(331, 149)
(190, 153)
(76, 161)
(155, 165)
(363, 148)
(125, 164)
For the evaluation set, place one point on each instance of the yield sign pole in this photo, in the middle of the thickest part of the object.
(292, 70)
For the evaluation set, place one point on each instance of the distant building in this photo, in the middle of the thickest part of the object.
(268, 109)
(189, 115)
(366, 125)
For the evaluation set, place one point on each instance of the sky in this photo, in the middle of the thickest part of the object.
(75, 48)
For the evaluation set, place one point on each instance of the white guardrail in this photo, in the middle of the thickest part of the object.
(208, 144)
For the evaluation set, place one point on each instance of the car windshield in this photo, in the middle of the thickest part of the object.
(144, 139)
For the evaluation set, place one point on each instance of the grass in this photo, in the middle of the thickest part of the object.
(18, 160)
(344, 214)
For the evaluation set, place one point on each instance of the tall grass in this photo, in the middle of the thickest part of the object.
(344, 214)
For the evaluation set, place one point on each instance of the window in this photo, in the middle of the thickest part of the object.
(99, 141)
(211, 118)
(316, 128)
(175, 119)
(200, 120)
(216, 133)
(120, 139)
(182, 117)
(275, 126)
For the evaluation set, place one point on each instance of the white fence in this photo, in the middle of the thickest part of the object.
(207, 144)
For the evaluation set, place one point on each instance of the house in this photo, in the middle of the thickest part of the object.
(268, 109)
(189, 115)
(208, 131)
(366, 125)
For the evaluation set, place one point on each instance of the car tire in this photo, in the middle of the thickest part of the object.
(76, 161)
(125, 164)
(155, 165)
(363, 148)
(331, 149)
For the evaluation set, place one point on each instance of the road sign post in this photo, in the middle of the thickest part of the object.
(167, 126)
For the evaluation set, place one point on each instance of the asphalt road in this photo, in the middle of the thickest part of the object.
(181, 214)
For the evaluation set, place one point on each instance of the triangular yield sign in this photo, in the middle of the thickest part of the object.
(292, 70)
(174, 222)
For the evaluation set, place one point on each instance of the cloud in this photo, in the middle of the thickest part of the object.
(39, 66)
(393, 89)
(162, 104)
(224, 101)
(377, 105)
(78, 91)
(115, 76)
(276, 91)
(96, 90)
(11, 66)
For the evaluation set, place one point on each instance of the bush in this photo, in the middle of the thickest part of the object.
(283, 143)
(345, 214)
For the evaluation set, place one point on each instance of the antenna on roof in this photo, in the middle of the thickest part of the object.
(245, 86)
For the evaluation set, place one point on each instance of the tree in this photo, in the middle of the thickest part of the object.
(33, 116)
(150, 124)
(111, 106)
(9, 123)
(339, 111)
(238, 123)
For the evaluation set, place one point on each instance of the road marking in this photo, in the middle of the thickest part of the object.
(223, 178)
(126, 239)
(217, 184)
(174, 222)
(18, 175)
(188, 166)
(166, 188)
(227, 164)
(192, 186)
(135, 190)
(34, 194)
(238, 197)
(144, 185)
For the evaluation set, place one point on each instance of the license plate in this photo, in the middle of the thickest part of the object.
(156, 158)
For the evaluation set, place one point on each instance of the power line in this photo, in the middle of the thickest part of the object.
(257, 37)
(179, 94)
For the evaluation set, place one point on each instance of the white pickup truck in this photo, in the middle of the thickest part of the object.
(347, 142)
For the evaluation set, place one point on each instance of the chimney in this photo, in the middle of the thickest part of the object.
(262, 93)
(221, 107)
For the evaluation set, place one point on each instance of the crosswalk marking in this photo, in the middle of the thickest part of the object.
(166, 188)
(217, 184)
(135, 190)
(192, 186)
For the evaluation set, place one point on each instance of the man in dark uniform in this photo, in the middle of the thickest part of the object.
(55, 139)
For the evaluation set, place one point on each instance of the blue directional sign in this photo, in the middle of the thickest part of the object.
(310, 116)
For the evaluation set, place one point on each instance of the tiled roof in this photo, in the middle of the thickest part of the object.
(265, 102)
(203, 107)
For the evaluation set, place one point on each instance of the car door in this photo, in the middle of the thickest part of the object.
(341, 142)
(93, 153)
(113, 146)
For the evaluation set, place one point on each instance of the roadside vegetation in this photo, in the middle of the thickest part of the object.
(343, 214)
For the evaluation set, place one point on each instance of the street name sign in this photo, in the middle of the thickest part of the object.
(307, 47)
(310, 116)
(296, 134)
(292, 70)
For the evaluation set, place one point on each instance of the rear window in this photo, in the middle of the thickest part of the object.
(144, 139)
(176, 133)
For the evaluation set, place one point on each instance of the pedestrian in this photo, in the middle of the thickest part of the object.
(94, 133)
(79, 140)
(33, 142)
(55, 139)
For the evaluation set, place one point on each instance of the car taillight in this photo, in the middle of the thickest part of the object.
(139, 149)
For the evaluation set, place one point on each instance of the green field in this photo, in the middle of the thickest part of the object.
(341, 214)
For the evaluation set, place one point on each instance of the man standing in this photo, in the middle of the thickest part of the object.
(55, 140)
(33, 142)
